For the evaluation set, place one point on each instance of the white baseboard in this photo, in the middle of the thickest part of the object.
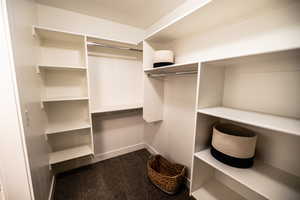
(118, 152)
(151, 149)
(51, 191)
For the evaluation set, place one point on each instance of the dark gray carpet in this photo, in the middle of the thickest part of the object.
(120, 178)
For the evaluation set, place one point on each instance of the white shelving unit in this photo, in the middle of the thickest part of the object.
(65, 96)
(259, 92)
(154, 87)
(68, 93)
(272, 122)
(266, 180)
(69, 154)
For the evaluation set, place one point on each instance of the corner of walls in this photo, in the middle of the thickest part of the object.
(22, 15)
(58, 18)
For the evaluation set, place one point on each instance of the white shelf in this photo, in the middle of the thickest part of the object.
(282, 124)
(263, 179)
(214, 190)
(57, 35)
(117, 108)
(64, 99)
(199, 18)
(59, 67)
(180, 67)
(64, 127)
(69, 154)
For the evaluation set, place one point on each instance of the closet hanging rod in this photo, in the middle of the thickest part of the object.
(172, 74)
(112, 46)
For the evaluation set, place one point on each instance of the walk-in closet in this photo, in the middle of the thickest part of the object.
(150, 100)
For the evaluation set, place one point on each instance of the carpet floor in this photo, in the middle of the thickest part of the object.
(120, 178)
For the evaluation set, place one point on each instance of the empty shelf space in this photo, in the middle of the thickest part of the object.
(117, 108)
(214, 190)
(60, 67)
(198, 19)
(45, 33)
(263, 179)
(64, 99)
(64, 127)
(69, 154)
(176, 68)
(272, 122)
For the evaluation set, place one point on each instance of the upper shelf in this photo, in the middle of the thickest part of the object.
(204, 17)
(182, 67)
(263, 179)
(57, 35)
(272, 122)
(65, 99)
(46, 33)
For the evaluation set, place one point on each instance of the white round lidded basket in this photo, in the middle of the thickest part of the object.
(163, 58)
(233, 145)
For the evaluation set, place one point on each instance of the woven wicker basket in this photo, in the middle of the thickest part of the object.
(165, 175)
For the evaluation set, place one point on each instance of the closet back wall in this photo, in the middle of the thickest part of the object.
(116, 81)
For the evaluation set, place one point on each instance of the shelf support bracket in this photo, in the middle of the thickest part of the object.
(42, 105)
(33, 32)
(37, 69)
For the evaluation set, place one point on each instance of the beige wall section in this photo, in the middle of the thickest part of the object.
(173, 137)
(74, 22)
(22, 15)
(116, 131)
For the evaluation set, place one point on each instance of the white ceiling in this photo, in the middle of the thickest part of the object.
(137, 13)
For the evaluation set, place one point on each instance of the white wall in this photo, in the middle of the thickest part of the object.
(22, 15)
(15, 180)
(74, 22)
(115, 81)
(117, 131)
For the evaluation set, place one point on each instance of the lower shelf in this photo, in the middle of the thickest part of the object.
(69, 154)
(280, 185)
(116, 108)
(214, 190)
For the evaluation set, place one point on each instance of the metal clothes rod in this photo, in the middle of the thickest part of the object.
(172, 74)
(113, 47)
